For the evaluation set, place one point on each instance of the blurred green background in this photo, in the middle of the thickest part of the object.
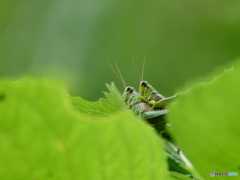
(70, 41)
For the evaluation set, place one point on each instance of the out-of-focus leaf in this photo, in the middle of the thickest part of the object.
(43, 137)
(205, 122)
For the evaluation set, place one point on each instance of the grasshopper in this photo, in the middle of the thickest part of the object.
(149, 93)
(138, 105)
(150, 105)
(141, 107)
(158, 103)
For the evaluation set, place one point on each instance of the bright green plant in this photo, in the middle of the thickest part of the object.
(205, 122)
(43, 137)
(47, 134)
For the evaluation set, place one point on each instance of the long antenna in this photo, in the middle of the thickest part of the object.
(135, 65)
(121, 75)
(143, 66)
(122, 81)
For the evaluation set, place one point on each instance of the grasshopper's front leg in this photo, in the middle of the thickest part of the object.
(162, 103)
(153, 97)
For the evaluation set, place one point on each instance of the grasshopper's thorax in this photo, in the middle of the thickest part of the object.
(148, 92)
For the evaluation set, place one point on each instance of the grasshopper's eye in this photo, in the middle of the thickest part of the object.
(129, 89)
(143, 83)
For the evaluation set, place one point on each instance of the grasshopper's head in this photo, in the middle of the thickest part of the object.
(149, 92)
(128, 92)
(131, 98)
(144, 88)
(130, 95)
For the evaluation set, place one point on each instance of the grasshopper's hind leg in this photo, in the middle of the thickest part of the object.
(153, 114)
(158, 122)
(156, 119)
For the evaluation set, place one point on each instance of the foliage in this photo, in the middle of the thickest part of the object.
(48, 134)
(205, 122)
(43, 137)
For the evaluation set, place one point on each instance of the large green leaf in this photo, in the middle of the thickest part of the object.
(205, 122)
(42, 136)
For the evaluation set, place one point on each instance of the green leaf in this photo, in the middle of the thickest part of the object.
(42, 136)
(103, 107)
(205, 122)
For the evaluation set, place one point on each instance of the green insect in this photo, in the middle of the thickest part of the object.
(131, 97)
(149, 93)
(141, 105)
(150, 105)
(141, 108)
